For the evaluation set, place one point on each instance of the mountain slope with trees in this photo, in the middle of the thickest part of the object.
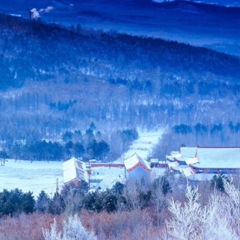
(195, 23)
(55, 79)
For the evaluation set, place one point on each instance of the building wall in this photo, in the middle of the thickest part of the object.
(139, 174)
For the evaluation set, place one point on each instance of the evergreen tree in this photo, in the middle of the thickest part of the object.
(57, 205)
(43, 202)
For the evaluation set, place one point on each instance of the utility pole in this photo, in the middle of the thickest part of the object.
(57, 186)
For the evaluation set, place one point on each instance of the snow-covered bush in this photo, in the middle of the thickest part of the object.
(72, 230)
(219, 219)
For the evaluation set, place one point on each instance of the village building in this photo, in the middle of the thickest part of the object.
(207, 160)
(137, 169)
(74, 171)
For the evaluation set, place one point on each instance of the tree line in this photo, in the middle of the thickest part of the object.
(87, 145)
(214, 135)
(75, 197)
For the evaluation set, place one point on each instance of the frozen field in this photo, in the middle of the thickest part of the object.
(31, 176)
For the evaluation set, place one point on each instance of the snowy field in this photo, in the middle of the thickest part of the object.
(31, 176)
(105, 177)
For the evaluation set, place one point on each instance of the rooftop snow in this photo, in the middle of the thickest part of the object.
(188, 152)
(74, 169)
(69, 170)
(191, 161)
(218, 158)
(106, 176)
(134, 160)
(211, 157)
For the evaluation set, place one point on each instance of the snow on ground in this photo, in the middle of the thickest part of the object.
(105, 177)
(31, 176)
(201, 177)
(157, 172)
(144, 145)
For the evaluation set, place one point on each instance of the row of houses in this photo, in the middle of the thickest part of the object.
(189, 161)
(205, 160)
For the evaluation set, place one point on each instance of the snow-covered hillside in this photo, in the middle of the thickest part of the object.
(144, 145)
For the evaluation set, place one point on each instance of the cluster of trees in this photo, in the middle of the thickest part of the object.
(213, 135)
(15, 201)
(75, 197)
(55, 151)
(74, 51)
(129, 210)
(72, 229)
(204, 128)
(218, 219)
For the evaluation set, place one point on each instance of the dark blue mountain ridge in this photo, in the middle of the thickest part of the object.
(56, 50)
(199, 24)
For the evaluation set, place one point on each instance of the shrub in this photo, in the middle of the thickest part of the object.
(72, 230)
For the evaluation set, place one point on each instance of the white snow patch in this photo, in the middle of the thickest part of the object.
(106, 177)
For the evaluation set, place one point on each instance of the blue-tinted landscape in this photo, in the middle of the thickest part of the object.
(84, 79)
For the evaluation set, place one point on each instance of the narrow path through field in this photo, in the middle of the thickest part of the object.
(144, 145)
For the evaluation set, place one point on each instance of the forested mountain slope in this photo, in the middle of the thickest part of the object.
(54, 79)
(55, 52)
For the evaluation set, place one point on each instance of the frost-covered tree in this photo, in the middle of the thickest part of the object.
(72, 230)
(53, 233)
(222, 221)
(187, 219)
(219, 219)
